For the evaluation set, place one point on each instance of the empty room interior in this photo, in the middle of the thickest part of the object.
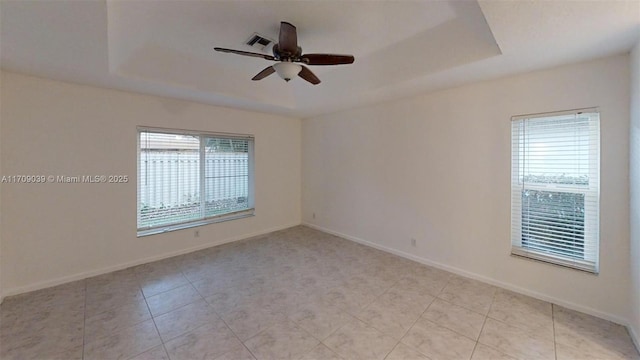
(320, 179)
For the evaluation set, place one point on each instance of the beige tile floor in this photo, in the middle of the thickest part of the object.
(296, 294)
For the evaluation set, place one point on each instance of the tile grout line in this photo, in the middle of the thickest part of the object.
(154, 324)
(353, 316)
(174, 309)
(466, 306)
(157, 332)
(221, 319)
(422, 314)
(394, 347)
(234, 333)
(453, 330)
(418, 318)
(495, 292)
(378, 297)
(180, 269)
(436, 297)
(153, 317)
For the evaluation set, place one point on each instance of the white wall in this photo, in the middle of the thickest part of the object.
(1, 292)
(57, 232)
(635, 192)
(436, 167)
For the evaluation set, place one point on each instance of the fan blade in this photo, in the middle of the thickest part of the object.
(245, 53)
(288, 39)
(264, 73)
(327, 59)
(306, 74)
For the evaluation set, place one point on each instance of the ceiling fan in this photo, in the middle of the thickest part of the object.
(288, 53)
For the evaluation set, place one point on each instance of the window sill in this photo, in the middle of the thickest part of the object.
(555, 260)
(192, 224)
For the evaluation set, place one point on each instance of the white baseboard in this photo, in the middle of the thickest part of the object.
(91, 273)
(488, 280)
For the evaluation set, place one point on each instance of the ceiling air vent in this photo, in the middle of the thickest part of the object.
(258, 41)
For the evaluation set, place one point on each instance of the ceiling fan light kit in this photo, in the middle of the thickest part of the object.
(288, 54)
(287, 70)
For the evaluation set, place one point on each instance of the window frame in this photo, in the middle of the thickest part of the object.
(250, 211)
(591, 194)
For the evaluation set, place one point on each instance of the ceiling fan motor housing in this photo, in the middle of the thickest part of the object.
(284, 56)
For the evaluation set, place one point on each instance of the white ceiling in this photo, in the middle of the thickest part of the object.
(401, 47)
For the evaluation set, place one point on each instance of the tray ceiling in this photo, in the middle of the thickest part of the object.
(401, 47)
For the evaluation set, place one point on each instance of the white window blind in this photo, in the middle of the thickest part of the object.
(189, 178)
(555, 188)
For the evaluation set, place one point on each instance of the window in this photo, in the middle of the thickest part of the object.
(555, 188)
(188, 178)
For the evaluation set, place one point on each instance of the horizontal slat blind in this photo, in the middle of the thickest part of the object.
(226, 176)
(169, 180)
(555, 188)
(186, 178)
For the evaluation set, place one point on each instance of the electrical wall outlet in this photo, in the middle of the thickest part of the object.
(196, 233)
(314, 215)
(413, 242)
